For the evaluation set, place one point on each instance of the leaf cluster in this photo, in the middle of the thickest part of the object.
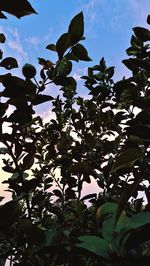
(49, 221)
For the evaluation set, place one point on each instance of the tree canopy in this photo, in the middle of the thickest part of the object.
(104, 137)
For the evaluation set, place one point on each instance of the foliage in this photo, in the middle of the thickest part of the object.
(48, 221)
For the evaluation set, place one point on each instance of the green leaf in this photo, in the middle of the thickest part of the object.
(126, 159)
(80, 52)
(126, 227)
(9, 63)
(108, 227)
(63, 44)
(95, 245)
(135, 42)
(3, 150)
(142, 34)
(64, 67)
(139, 219)
(41, 98)
(17, 8)
(132, 51)
(76, 28)
(50, 237)
(110, 72)
(51, 47)
(2, 38)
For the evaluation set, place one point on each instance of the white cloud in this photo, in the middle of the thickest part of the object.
(15, 44)
(32, 42)
(47, 116)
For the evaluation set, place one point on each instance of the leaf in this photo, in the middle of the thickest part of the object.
(2, 38)
(141, 131)
(105, 212)
(41, 98)
(28, 161)
(3, 108)
(57, 193)
(45, 63)
(131, 64)
(1, 54)
(17, 8)
(14, 87)
(64, 67)
(126, 159)
(129, 227)
(139, 220)
(9, 213)
(71, 56)
(80, 168)
(142, 34)
(135, 42)
(110, 72)
(63, 44)
(80, 52)
(2, 15)
(76, 28)
(89, 196)
(102, 64)
(9, 63)
(50, 237)
(95, 245)
(148, 19)
(3, 150)
(51, 47)
(132, 51)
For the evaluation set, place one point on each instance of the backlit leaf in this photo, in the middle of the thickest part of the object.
(95, 245)
(142, 33)
(80, 52)
(2, 38)
(17, 8)
(63, 44)
(41, 98)
(51, 47)
(76, 28)
(126, 159)
(9, 63)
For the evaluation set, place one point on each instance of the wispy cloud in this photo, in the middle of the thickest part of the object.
(14, 43)
(32, 42)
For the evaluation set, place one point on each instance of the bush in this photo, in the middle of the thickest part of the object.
(48, 220)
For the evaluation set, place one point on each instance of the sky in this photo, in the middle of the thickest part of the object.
(108, 28)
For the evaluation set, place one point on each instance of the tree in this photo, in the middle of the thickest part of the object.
(48, 222)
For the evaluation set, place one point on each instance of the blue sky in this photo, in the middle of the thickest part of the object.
(108, 28)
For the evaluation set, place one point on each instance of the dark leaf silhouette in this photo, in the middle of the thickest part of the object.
(76, 28)
(17, 8)
(9, 63)
(2, 38)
